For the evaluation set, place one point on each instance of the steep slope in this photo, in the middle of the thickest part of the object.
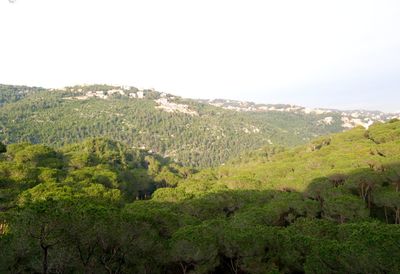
(187, 131)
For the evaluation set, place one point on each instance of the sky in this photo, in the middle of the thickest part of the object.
(315, 53)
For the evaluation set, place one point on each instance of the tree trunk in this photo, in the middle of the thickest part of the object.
(45, 259)
(369, 199)
(184, 268)
(362, 192)
(234, 266)
(386, 216)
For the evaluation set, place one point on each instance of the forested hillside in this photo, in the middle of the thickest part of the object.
(353, 156)
(331, 206)
(190, 132)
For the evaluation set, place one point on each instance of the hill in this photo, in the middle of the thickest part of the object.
(191, 132)
(358, 156)
(331, 206)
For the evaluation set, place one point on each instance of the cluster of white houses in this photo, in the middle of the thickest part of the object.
(106, 94)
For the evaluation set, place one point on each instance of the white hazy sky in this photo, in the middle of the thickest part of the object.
(318, 53)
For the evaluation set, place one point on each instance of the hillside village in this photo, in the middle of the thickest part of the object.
(167, 102)
(349, 119)
(169, 106)
(164, 101)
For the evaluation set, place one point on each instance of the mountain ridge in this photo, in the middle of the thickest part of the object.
(215, 101)
(190, 131)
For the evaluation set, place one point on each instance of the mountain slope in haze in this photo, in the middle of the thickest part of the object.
(348, 118)
(187, 131)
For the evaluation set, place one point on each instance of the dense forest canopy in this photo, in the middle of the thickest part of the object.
(187, 131)
(331, 206)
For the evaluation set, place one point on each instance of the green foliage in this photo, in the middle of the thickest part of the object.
(332, 206)
(96, 167)
(211, 138)
(342, 208)
(10, 94)
(350, 159)
(358, 248)
(195, 247)
(37, 156)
